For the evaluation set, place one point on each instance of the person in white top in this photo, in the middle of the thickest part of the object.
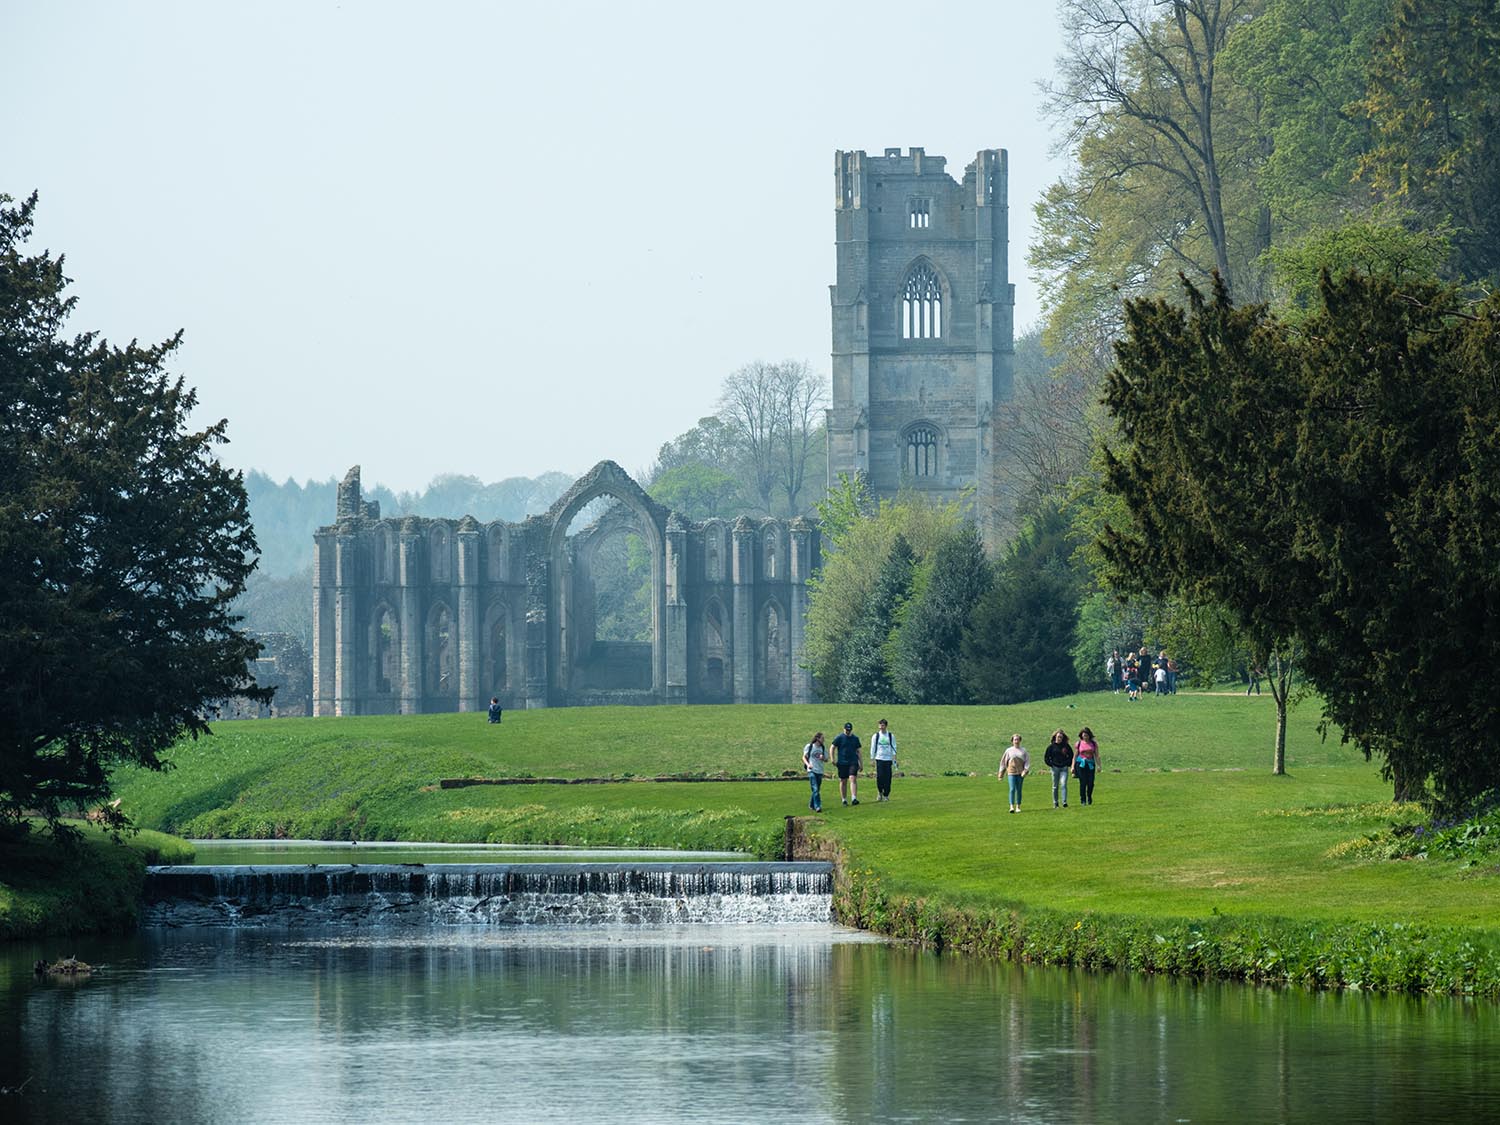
(883, 750)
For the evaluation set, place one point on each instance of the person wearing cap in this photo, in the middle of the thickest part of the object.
(846, 757)
(883, 753)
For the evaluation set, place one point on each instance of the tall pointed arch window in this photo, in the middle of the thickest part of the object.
(921, 451)
(922, 304)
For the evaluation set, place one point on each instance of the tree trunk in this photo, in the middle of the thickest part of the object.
(1281, 690)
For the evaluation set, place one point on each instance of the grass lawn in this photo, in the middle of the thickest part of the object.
(1188, 821)
(48, 889)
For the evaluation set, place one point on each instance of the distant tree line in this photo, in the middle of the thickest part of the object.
(278, 594)
(765, 451)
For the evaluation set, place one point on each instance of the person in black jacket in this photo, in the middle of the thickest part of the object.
(1059, 757)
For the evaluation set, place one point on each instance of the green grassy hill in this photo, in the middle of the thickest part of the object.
(1188, 823)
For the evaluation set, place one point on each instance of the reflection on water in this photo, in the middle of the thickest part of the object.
(702, 1023)
(268, 852)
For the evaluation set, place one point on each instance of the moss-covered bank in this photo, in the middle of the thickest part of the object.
(1376, 957)
(92, 885)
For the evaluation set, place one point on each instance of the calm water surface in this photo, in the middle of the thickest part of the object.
(698, 1023)
(273, 852)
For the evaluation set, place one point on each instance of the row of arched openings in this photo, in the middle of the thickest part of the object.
(439, 672)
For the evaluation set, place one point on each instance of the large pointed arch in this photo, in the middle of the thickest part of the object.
(606, 479)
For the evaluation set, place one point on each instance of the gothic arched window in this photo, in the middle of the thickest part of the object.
(922, 304)
(921, 451)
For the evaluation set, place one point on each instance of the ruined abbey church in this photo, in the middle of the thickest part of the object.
(414, 615)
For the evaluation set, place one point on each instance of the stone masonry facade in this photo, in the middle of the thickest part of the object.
(422, 615)
(418, 615)
(923, 327)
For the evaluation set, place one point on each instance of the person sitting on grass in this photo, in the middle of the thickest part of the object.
(495, 709)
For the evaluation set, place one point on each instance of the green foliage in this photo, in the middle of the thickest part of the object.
(622, 589)
(698, 491)
(1394, 957)
(864, 675)
(1375, 248)
(88, 882)
(1305, 63)
(857, 537)
(1018, 644)
(928, 647)
(1434, 100)
(1334, 486)
(123, 544)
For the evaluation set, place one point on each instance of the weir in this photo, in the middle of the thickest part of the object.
(489, 894)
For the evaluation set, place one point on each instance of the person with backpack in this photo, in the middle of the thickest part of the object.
(1059, 757)
(1086, 765)
(883, 751)
(815, 761)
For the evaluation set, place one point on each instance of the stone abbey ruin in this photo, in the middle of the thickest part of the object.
(419, 615)
(414, 615)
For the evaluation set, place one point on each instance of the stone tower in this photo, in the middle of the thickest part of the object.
(923, 312)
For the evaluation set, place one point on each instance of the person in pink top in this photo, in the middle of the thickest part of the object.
(1086, 765)
(1015, 764)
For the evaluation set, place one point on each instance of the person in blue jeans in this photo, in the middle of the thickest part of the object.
(815, 761)
(1015, 764)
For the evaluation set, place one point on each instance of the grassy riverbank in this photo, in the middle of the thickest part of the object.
(1191, 842)
(89, 886)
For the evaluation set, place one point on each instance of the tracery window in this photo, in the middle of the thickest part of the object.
(921, 451)
(919, 214)
(922, 304)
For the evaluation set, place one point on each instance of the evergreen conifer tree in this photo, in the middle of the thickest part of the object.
(864, 676)
(1018, 643)
(928, 648)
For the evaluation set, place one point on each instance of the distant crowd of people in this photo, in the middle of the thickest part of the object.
(1065, 759)
(1137, 672)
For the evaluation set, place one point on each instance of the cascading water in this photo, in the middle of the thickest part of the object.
(495, 894)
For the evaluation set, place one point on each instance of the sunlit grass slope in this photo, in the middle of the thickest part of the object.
(1188, 821)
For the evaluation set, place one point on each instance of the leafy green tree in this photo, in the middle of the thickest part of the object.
(1334, 488)
(1018, 644)
(1434, 99)
(1365, 246)
(697, 490)
(1162, 138)
(864, 675)
(927, 665)
(123, 543)
(857, 535)
(1306, 64)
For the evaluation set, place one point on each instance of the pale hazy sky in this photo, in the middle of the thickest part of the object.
(491, 239)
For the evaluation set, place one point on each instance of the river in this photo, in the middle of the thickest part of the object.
(810, 1023)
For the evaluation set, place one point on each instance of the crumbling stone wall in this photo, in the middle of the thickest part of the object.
(421, 615)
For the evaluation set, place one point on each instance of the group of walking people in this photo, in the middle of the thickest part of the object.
(1062, 758)
(1079, 759)
(848, 761)
(1133, 672)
